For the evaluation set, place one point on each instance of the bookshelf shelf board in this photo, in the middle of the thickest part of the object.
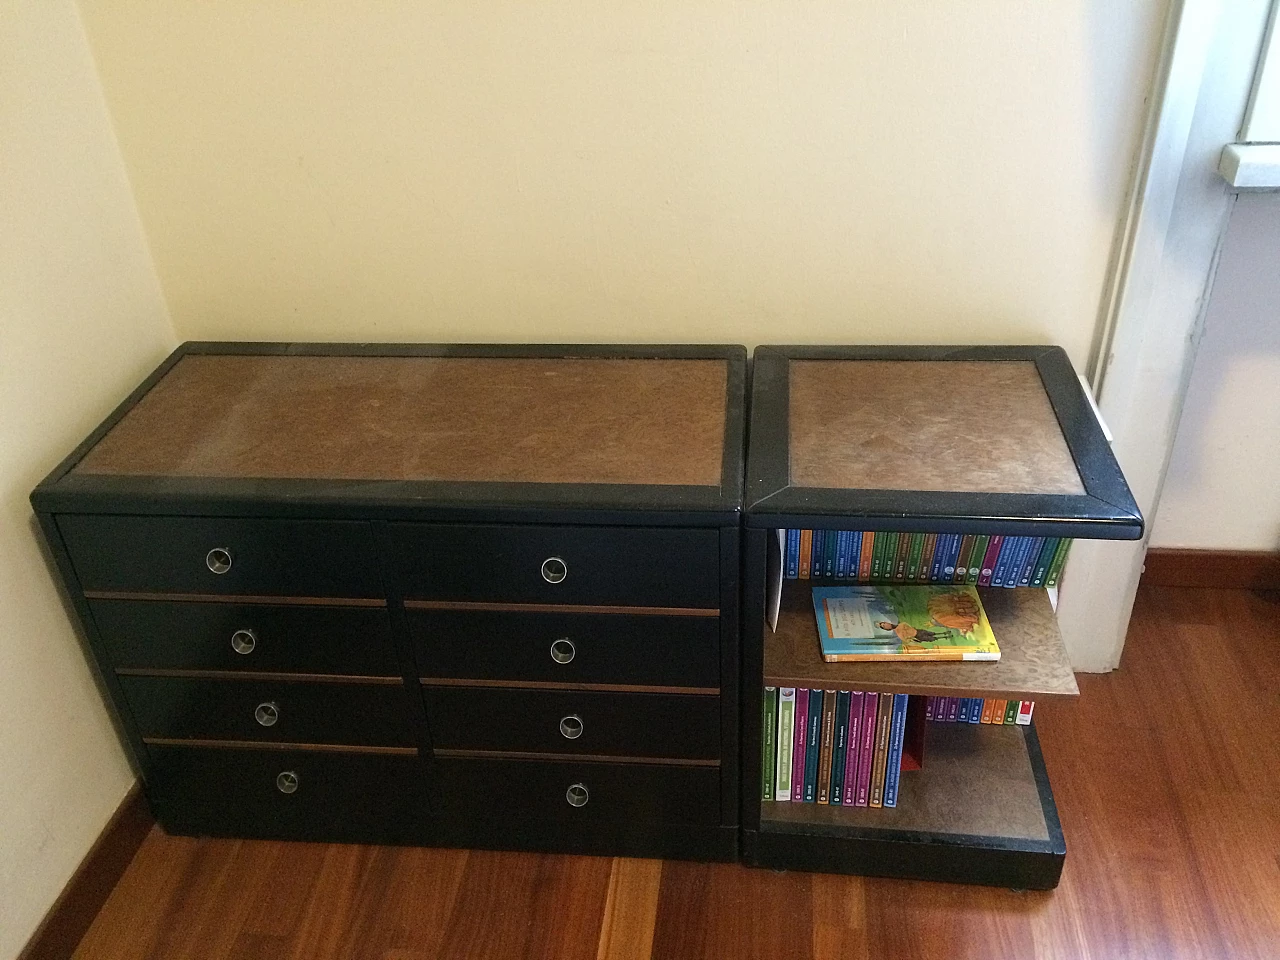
(977, 781)
(1033, 662)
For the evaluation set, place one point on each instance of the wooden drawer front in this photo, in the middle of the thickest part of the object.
(612, 724)
(589, 648)
(325, 783)
(326, 713)
(617, 792)
(274, 558)
(625, 566)
(354, 641)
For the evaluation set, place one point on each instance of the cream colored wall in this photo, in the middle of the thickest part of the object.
(767, 170)
(1222, 492)
(81, 322)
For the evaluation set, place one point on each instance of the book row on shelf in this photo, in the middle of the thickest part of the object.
(833, 746)
(868, 557)
(978, 710)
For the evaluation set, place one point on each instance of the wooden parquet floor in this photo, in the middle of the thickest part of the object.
(1167, 776)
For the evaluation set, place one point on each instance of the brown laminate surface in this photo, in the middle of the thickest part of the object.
(977, 779)
(982, 426)
(482, 419)
(1166, 775)
(1033, 662)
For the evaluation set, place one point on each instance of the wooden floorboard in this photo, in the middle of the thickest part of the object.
(1167, 776)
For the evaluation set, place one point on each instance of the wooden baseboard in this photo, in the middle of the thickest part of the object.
(1239, 569)
(71, 914)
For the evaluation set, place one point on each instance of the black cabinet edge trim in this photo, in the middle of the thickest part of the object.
(258, 675)
(165, 597)
(485, 606)
(279, 746)
(452, 754)
(552, 685)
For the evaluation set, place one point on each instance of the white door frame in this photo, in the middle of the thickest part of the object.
(1154, 311)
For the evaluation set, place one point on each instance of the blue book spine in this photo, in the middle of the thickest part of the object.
(815, 558)
(953, 554)
(975, 710)
(1042, 562)
(1008, 554)
(842, 554)
(962, 714)
(939, 555)
(1029, 561)
(855, 553)
(793, 554)
(953, 710)
(1015, 562)
(893, 768)
(829, 564)
(840, 746)
(813, 745)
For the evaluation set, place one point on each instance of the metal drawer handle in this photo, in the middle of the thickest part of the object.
(571, 727)
(267, 713)
(562, 650)
(287, 782)
(554, 570)
(218, 560)
(577, 795)
(243, 641)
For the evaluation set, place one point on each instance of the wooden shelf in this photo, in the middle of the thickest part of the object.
(1033, 662)
(977, 781)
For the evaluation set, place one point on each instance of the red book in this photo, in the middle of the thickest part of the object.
(853, 745)
(989, 561)
(870, 702)
(798, 748)
(962, 560)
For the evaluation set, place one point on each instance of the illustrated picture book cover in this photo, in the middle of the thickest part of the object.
(893, 622)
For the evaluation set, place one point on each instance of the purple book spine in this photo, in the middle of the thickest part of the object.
(870, 702)
(928, 707)
(953, 709)
(853, 750)
(797, 752)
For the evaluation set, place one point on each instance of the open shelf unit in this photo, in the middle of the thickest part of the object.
(845, 439)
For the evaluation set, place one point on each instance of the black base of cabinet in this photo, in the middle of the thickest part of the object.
(910, 859)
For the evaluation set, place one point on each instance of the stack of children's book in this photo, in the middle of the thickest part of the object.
(833, 746)
(978, 710)
(870, 557)
(893, 623)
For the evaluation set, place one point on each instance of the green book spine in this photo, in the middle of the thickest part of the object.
(785, 739)
(926, 556)
(913, 556)
(1040, 572)
(1011, 711)
(768, 743)
(975, 558)
(962, 559)
(877, 554)
(1059, 561)
(900, 563)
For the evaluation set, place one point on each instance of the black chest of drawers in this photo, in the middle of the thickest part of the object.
(477, 596)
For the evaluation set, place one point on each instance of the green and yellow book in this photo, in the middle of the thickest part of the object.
(892, 622)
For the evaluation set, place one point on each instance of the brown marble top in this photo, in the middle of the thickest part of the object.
(947, 425)
(496, 419)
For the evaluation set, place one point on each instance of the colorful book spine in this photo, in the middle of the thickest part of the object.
(801, 737)
(987, 706)
(877, 556)
(813, 746)
(893, 766)
(867, 557)
(926, 557)
(953, 709)
(1029, 561)
(853, 750)
(976, 558)
(997, 711)
(929, 704)
(939, 557)
(884, 716)
(1059, 561)
(1025, 707)
(793, 554)
(1011, 711)
(769, 743)
(827, 747)
(962, 559)
(830, 549)
(1016, 561)
(1008, 550)
(975, 709)
(870, 710)
(989, 561)
(953, 554)
(900, 560)
(806, 553)
(1041, 570)
(840, 747)
(842, 554)
(815, 556)
(855, 553)
(786, 733)
(914, 552)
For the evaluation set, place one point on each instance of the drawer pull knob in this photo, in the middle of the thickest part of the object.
(243, 641)
(577, 795)
(563, 650)
(554, 570)
(218, 560)
(287, 782)
(571, 727)
(267, 714)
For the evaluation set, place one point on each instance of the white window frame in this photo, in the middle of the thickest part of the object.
(1253, 162)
